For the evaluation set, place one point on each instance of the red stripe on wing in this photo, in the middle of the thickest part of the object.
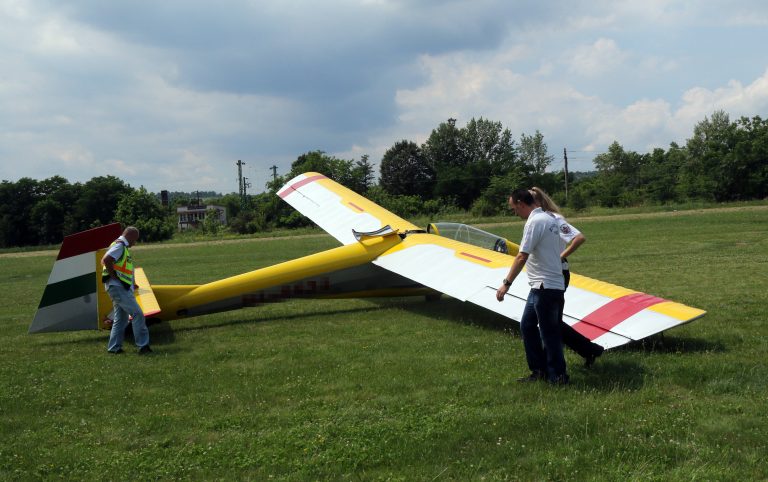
(606, 317)
(468, 255)
(297, 185)
(356, 206)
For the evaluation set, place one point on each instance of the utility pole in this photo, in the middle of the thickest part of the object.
(242, 183)
(246, 185)
(274, 173)
(565, 158)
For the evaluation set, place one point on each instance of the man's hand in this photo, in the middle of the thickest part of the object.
(517, 267)
(501, 292)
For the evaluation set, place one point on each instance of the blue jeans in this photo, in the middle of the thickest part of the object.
(541, 324)
(125, 304)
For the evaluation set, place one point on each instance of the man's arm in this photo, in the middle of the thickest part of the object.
(109, 263)
(517, 267)
(114, 253)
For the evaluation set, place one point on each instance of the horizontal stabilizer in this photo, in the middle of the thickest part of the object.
(144, 294)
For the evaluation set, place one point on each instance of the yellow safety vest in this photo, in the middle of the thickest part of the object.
(123, 266)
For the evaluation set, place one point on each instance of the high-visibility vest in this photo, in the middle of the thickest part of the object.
(123, 266)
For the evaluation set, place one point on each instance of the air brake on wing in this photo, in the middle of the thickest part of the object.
(385, 231)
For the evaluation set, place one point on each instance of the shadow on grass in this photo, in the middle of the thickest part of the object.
(163, 333)
(610, 375)
(606, 375)
(662, 343)
(469, 314)
(453, 310)
(240, 321)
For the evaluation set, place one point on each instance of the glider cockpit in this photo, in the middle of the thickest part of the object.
(474, 236)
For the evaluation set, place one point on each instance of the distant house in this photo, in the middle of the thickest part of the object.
(191, 216)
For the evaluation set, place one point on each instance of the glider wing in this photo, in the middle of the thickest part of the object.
(607, 314)
(339, 210)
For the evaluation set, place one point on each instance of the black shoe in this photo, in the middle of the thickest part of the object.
(535, 376)
(116, 352)
(563, 379)
(145, 350)
(590, 360)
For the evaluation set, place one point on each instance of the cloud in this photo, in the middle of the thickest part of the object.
(734, 98)
(170, 94)
(462, 87)
(592, 60)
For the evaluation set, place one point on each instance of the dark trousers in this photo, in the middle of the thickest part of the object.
(540, 328)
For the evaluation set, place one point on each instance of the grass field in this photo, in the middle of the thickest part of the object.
(402, 389)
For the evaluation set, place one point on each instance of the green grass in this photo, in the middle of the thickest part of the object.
(401, 389)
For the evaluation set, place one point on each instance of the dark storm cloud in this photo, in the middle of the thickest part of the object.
(343, 60)
(309, 49)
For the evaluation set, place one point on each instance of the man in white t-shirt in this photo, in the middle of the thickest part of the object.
(539, 251)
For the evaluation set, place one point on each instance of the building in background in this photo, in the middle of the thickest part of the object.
(193, 215)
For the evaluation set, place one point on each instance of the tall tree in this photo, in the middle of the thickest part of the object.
(17, 199)
(142, 209)
(464, 159)
(749, 164)
(713, 138)
(533, 152)
(362, 175)
(618, 175)
(339, 170)
(445, 147)
(404, 170)
(98, 201)
(488, 143)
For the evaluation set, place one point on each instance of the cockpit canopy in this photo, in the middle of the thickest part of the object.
(472, 235)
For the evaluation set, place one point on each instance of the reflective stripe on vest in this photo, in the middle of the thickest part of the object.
(123, 266)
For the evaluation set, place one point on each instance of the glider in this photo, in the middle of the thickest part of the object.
(381, 255)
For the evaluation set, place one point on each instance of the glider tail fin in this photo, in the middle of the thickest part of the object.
(74, 291)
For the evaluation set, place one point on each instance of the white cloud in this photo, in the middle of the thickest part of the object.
(55, 38)
(89, 88)
(604, 55)
(638, 126)
(461, 87)
(736, 99)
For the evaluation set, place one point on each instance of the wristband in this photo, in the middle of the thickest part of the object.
(507, 283)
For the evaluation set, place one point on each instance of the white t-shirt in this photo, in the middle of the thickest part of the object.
(541, 241)
(567, 232)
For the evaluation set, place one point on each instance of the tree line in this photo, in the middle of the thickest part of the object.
(471, 168)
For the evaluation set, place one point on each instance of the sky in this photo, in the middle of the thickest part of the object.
(170, 94)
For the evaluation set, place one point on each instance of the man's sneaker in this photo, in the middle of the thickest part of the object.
(145, 350)
(563, 379)
(116, 352)
(590, 360)
(535, 376)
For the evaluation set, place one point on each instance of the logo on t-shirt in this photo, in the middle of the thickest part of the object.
(565, 229)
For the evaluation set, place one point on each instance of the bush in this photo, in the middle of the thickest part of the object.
(482, 208)
(577, 200)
